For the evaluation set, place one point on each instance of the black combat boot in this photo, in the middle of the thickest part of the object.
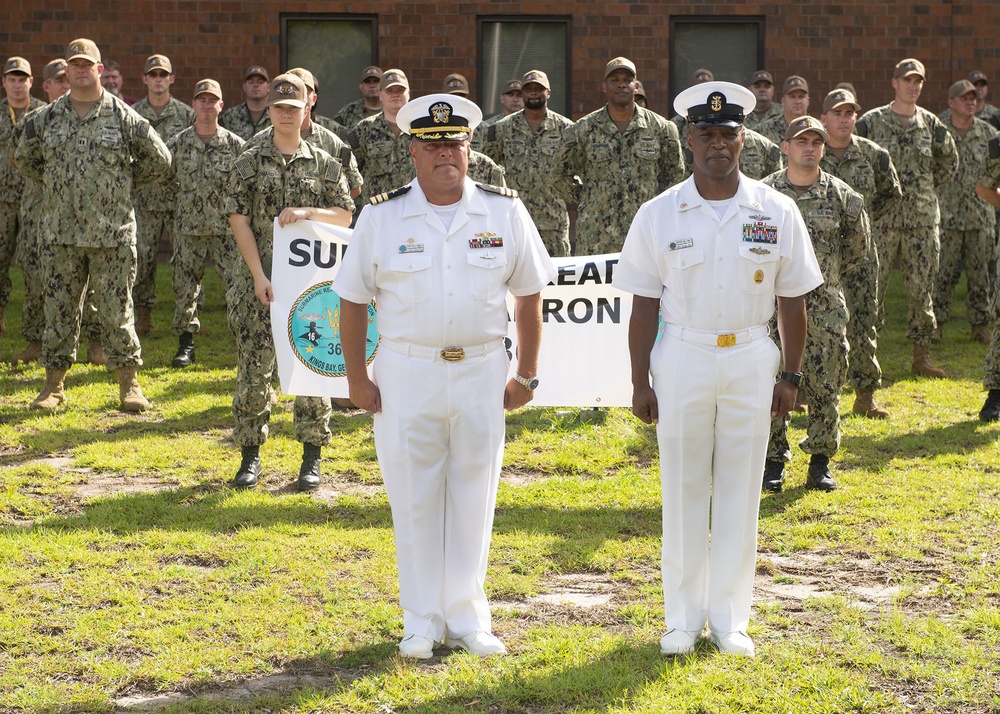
(309, 473)
(819, 476)
(250, 468)
(774, 475)
(991, 409)
(185, 351)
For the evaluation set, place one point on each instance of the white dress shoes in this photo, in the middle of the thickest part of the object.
(416, 647)
(734, 643)
(678, 642)
(480, 643)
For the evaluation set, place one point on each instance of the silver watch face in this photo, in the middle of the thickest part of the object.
(532, 384)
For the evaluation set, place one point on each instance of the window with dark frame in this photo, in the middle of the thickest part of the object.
(335, 48)
(731, 46)
(509, 46)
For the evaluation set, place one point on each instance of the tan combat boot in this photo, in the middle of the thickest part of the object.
(31, 353)
(95, 353)
(143, 321)
(922, 365)
(865, 405)
(981, 333)
(129, 391)
(52, 394)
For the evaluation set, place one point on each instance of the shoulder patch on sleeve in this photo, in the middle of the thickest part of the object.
(491, 133)
(333, 171)
(499, 190)
(995, 147)
(345, 155)
(940, 133)
(884, 160)
(855, 204)
(861, 127)
(29, 129)
(246, 166)
(389, 195)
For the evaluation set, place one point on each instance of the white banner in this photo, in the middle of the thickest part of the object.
(584, 359)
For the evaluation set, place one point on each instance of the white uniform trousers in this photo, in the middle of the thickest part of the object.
(439, 441)
(714, 419)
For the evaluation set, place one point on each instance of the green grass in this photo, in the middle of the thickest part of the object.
(128, 567)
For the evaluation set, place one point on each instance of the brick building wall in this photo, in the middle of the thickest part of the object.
(856, 40)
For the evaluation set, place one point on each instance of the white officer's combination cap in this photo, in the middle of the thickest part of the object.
(715, 104)
(439, 117)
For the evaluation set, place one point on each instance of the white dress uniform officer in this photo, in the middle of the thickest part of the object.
(711, 254)
(439, 256)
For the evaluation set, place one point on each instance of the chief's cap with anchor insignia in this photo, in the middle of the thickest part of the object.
(715, 104)
(287, 89)
(439, 117)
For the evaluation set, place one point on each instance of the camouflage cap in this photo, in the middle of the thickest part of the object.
(976, 76)
(439, 117)
(761, 76)
(537, 76)
(619, 63)
(702, 75)
(639, 90)
(287, 89)
(307, 77)
(961, 88)
(393, 78)
(804, 124)
(258, 71)
(53, 69)
(456, 84)
(795, 82)
(512, 85)
(17, 64)
(160, 62)
(904, 68)
(83, 48)
(371, 71)
(838, 98)
(208, 86)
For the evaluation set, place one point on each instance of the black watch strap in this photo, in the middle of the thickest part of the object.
(793, 377)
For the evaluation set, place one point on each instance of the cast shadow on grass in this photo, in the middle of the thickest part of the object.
(874, 452)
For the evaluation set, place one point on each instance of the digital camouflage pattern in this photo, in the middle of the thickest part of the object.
(383, 158)
(479, 136)
(239, 121)
(968, 229)
(617, 173)
(88, 169)
(990, 179)
(331, 125)
(11, 191)
(775, 127)
(175, 118)
(350, 114)
(754, 119)
(867, 168)
(925, 156)
(838, 226)
(483, 169)
(199, 179)
(261, 185)
(327, 141)
(529, 157)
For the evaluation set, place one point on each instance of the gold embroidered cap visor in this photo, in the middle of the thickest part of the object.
(715, 104)
(439, 117)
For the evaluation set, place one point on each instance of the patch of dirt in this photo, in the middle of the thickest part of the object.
(242, 691)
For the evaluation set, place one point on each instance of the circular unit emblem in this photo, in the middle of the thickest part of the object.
(314, 331)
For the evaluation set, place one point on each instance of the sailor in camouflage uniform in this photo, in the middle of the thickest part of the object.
(381, 149)
(154, 204)
(251, 116)
(203, 157)
(838, 225)
(292, 180)
(988, 189)
(794, 104)
(985, 111)
(526, 145)
(89, 150)
(312, 118)
(17, 102)
(369, 103)
(623, 156)
(511, 101)
(762, 86)
(968, 224)
(867, 168)
(925, 156)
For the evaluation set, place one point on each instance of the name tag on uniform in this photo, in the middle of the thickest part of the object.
(410, 246)
(759, 232)
(680, 244)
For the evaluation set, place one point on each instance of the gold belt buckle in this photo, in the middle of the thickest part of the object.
(453, 354)
(726, 340)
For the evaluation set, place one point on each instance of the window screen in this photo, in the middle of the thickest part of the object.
(509, 47)
(733, 48)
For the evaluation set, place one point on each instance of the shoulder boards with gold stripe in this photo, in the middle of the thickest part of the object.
(389, 195)
(499, 190)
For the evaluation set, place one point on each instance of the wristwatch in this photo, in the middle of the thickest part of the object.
(529, 384)
(793, 377)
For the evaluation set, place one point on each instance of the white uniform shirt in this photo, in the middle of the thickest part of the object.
(714, 274)
(437, 287)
